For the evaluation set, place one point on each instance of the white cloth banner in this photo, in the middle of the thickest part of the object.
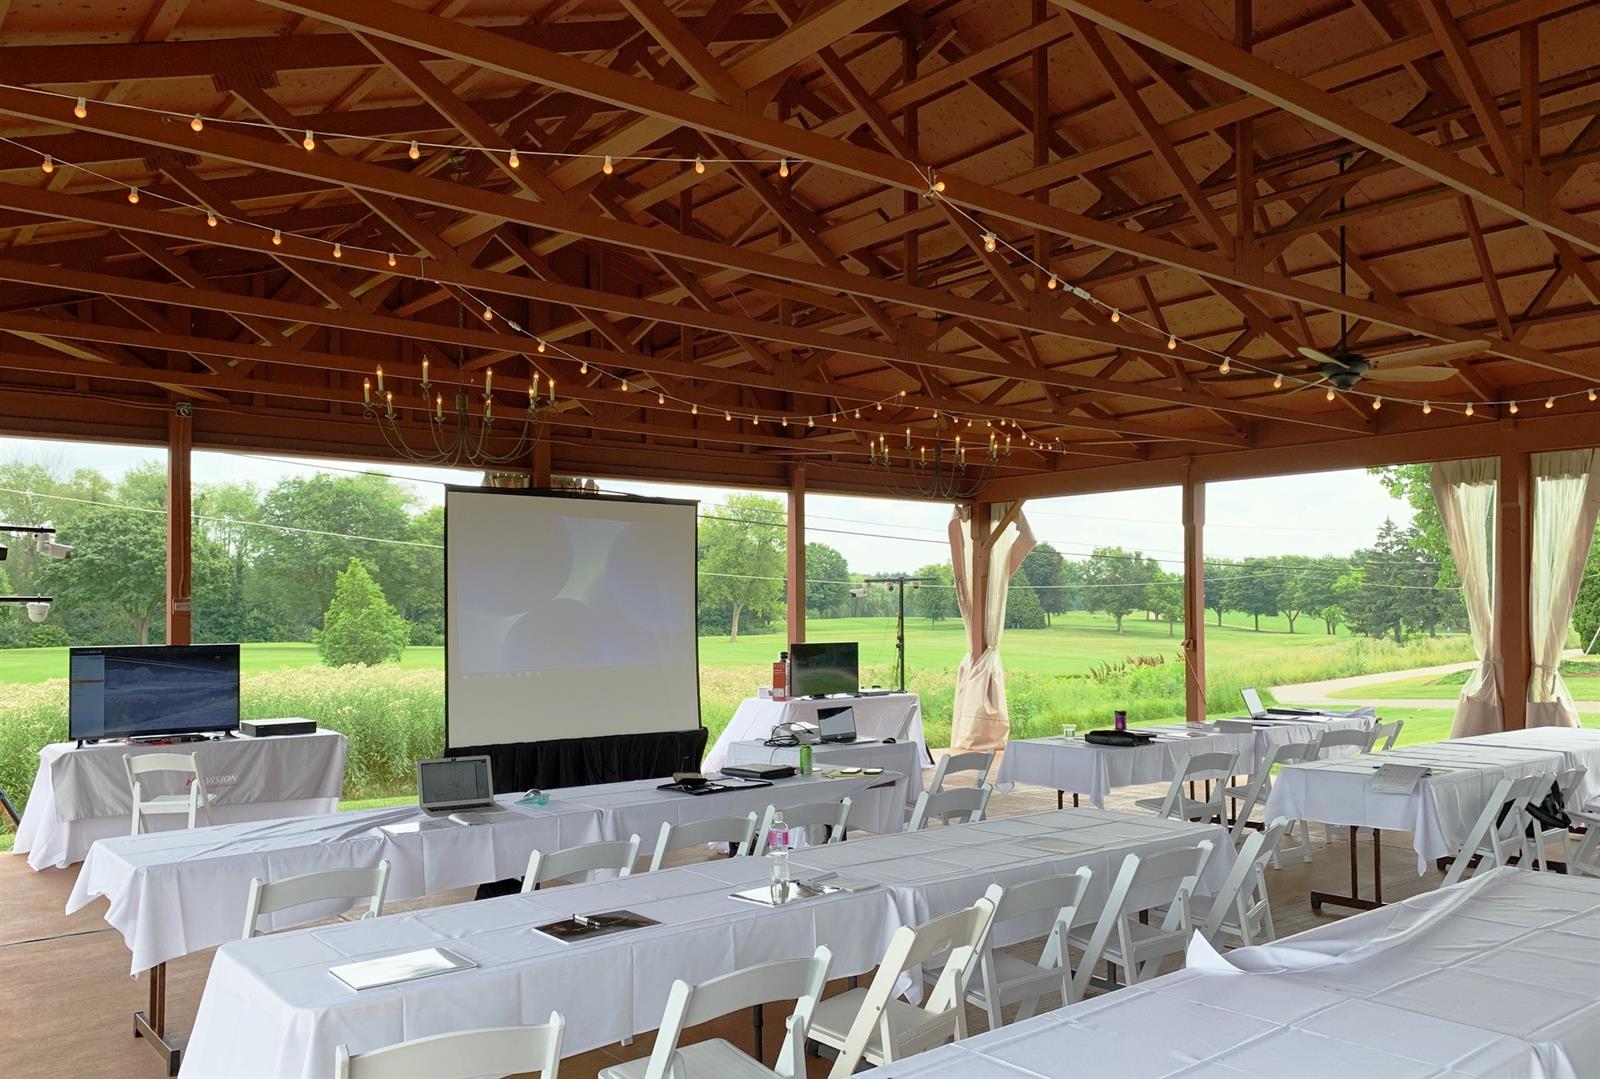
(1566, 503)
(979, 719)
(1465, 492)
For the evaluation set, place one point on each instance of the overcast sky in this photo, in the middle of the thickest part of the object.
(1322, 513)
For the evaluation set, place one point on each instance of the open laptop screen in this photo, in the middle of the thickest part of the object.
(836, 723)
(1252, 702)
(453, 781)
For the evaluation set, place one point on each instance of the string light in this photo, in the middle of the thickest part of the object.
(277, 237)
(133, 195)
(415, 151)
(727, 417)
(607, 168)
(699, 166)
(1427, 409)
(661, 398)
(1593, 394)
(1549, 402)
(392, 259)
(1116, 316)
(1277, 381)
(541, 345)
(1514, 408)
(1053, 284)
(514, 161)
(48, 165)
(1330, 393)
(1172, 342)
(583, 368)
(1225, 366)
(988, 241)
(1377, 403)
(309, 142)
(488, 313)
(1469, 408)
(694, 410)
(81, 109)
(211, 219)
(938, 185)
(783, 167)
(197, 124)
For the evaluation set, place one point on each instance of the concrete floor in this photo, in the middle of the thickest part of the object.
(66, 1000)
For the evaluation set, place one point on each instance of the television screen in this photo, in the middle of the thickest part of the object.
(147, 691)
(818, 670)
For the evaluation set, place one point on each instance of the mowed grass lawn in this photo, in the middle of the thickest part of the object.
(1072, 645)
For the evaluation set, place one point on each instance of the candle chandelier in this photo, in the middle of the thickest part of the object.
(456, 437)
(947, 474)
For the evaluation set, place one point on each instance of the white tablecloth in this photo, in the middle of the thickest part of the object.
(1438, 813)
(1577, 746)
(903, 757)
(80, 794)
(1273, 731)
(881, 716)
(1072, 764)
(1494, 977)
(172, 893)
(271, 1007)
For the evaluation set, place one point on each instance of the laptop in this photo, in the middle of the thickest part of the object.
(452, 785)
(837, 724)
(1252, 704)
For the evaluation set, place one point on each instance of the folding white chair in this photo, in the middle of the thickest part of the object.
(875, 1024)
(1139, 948)
(1385, 735)
(190, 804)
(960, 805)
(1001, 978)
(955, 763)
(269, 897)
(799, 980)
(738, 832)
(1249, 795)
(618, 854)
(1566, 782)
(462, 1054)
(1348, 736)
(833, 817)
(1195, 768)
(1498, 833)
(1240, 908)
(1585, 861)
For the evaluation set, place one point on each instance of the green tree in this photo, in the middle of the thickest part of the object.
(742, 550)
(827, 581)
(935, 601)
(1023, 609)
(1294, 589)
(1218, 572)
(1253, 588)
(1044, 570)
(360, 626)
(1166, 598)
(1410, 484)
(1116, 582)
(1393, 587)
(1317, 586)
(1586, 612)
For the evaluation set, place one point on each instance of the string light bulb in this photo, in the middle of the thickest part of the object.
(488, 313)
(48, 165)
(1053, 283)
(514, 161)
(197, 125)
(783, 168)
(1116, 316)
(1514, 408)
(338, 251)
(606, 166)
(624, 385)
(583, 368)
(1277, 381)
(1549, 402)
(727, 417)
(694, 410)
(1469, 408)
(211, 219)
(1225, 366)
(989, 241)
(1427, 409)
(392, 259)
(1593, 394)
(1172, 342)
(1330, 393)
(81, 109)
(415, 151)
(661, 398)
(699, 166)
(133, 195)
(938, 185)
(309, 142)
(277, 237)
(1377, 403)
(541, 345)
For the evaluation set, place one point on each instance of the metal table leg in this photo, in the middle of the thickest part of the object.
(153, 1025)
(1354, 900)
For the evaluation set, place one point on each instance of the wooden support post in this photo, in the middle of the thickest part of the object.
(978, 531)
(797, 554)
(180, 615)
(540, 478)
(1513, 567)
(1194, 600)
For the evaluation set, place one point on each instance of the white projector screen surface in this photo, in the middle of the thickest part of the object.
(568, 617)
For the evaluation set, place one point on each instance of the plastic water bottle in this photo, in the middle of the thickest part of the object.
(778, 857)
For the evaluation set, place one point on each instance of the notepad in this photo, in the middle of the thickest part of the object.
(1398, 778)
(812, 888)
(405, 967)
(584, 926)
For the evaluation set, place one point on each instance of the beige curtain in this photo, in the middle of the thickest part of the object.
(1465, 492)
(1566, 501)
(979, 720)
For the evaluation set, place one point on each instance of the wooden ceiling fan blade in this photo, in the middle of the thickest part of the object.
(1317, 355)
(1428, 354)
(1411, 374)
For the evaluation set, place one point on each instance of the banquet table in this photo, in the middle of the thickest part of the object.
(1578, 746)
(1271, 731)
(80, 793)
(1073, 764)
(902, 757)
(1438, 813)
(271, 1000)
(1495, 976)
(880, 715)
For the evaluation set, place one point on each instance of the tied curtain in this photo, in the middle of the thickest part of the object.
(1465, 492)
(1566, 501)
(979, 720)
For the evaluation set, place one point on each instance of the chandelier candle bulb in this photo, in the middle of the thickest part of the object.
(424, 374)
(552, 384)
(366, 391)
(380, 378)
(488, 381)
(438, 407)
(388, 403)
(488, 409)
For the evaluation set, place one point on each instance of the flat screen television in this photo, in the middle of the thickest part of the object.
(821, 670)
(149, 691)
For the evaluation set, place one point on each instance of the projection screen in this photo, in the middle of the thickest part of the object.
(567, 616)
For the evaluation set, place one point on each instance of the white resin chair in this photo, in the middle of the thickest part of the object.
(799, 980)
(191, 804)
(959, 805)
(833, 817)
(1248, 796)
(951, 764)
(1169, 879)
(1566, 782)
(1002, 979)
(269, 897)
(876, 1024)
(463, 1054)
(1192, 769)
(1361, 740)
(1496, 836)
(1240, 909)
(617, 854)
(738, 832)
(1585, 861)
(1385, 735)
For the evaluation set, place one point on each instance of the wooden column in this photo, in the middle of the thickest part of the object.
(1512, 569)
(540, 473)
(797, 554)
(180, 614)
(978, 536)
(1194, 600)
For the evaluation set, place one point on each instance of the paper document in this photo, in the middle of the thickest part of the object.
(406, 967)
(1398, 778)
(584, 926)
(825, 884)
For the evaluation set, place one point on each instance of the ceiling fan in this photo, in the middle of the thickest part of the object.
(1342, 367)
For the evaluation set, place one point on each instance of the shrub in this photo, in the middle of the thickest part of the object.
(360, 626)
(48, 635)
